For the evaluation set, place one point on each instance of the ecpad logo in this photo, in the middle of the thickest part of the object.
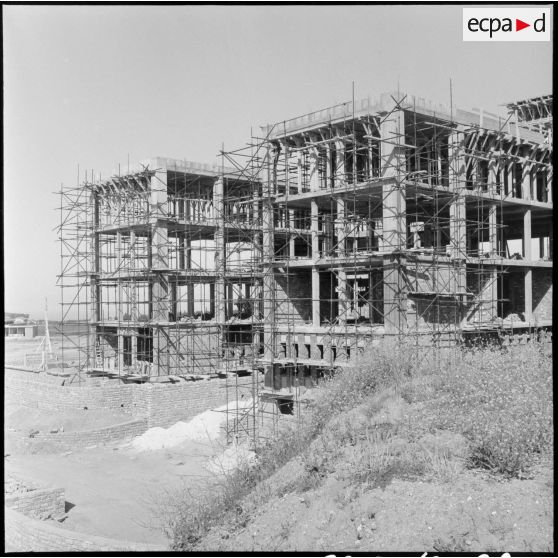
(506, 24)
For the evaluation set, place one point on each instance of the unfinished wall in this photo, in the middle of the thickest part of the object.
(542, 294)
(24, 534)
(48, 442)
(33, 500)
(293, 296)
(159, 404)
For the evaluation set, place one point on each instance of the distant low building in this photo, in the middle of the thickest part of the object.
(19, 325)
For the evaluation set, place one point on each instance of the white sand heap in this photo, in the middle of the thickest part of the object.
(204, 427)
(235, 456)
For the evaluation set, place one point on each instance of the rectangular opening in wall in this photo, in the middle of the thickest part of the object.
(145, 345)
(541, 185)
(301, 248)
(127, 350)
(308, 350)
(517, 179)
(513, 296)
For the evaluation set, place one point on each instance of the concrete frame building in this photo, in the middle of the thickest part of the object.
(378, 218)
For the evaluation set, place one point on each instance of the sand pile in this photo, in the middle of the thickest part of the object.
(237, 455)
(204, 427)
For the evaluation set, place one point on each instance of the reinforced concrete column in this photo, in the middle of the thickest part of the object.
(491, 289)
(328, 165)
(120, 352)
(230, 301)
(458, 213)
(160, 295)
(394, 206)
(212, 299)
(267, 175)
(314, 229)
(300, 171)
(315, 297)
(292, 234)
(493, 229)
(134, 348)
(190, 299)
(527, 255)
(340, 228)
(220, 256)
(339, 177)
(526, 182)
(314, 158)
(120, 292)
(94, 310)
(341, 275)
(394, 222)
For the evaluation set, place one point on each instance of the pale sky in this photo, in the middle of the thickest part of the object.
(94, 85)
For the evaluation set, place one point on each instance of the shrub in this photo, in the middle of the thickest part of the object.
(502, 402)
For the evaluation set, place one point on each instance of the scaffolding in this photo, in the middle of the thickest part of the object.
(382, 218)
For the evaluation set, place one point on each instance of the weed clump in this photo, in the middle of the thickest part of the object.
(502, 402)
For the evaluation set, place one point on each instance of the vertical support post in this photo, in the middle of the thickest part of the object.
(299, 172)
(212, 299)
(120, 293)
(527, 255)
(190, 299)
(458, 215)
(315, 297)
(327, 165)
(159, 263)
(230, 301)
(526, 182)
(394, 222)
(341, 275)
(493, 230)
(314, 157)
(314, 229)
(134, 348)
(267, 176)
(291, 233)
(220, 256)
(340, 177)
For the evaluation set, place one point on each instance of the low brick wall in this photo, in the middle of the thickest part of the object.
(24, 534)
(160, 404)
(33, 500)
(67, 441)
(166, 404)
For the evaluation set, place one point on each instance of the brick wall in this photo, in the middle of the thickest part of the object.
(166, 404)
(430, 276)
(40, 502)
(542, 294)
(67, 441)
(24, 534)
(158, 404)
(293, 296)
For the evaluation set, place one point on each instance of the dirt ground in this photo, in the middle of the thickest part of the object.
(111, 491)
(477, 513)
(114, 491)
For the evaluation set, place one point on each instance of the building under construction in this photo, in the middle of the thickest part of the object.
(377, 218)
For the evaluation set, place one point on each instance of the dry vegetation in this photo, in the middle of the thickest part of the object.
(479, 421)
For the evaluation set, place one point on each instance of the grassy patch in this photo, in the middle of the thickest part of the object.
(491, 408)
